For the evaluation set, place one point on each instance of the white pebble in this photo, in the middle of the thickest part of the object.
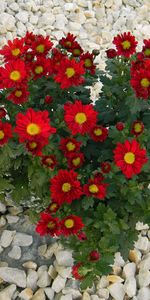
(15, 252)
(6, 238)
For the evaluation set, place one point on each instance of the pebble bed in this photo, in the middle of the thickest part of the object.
(38, 268)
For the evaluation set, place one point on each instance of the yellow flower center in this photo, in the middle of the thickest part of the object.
(66, 187)
(70, 72)
(40, 48)
(32, 145)
(76, 161)
(129, 158)
(137, 127)
(33, 129)
(76, 51)
(80, 118)
(51, 225)
(88, 62)
(145, 82)
(126, 45)
(39, 69)
(69, 223)
(15, 75)
(49, 161)
(68, 43)
(147, 52)
(98, 132)
(18, 93)
(93, 188)
(15, 51)
(53, 206)
(1, 134)
(70, 146)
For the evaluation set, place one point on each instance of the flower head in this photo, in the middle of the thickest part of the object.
(75, 160)
(19, 95)
(79, 117)
(94, 255)
(137, 128)
(125, 44)
(130, 157)
(13, 50)
(95, 188)
(71, 225)
(48, 225)
(69, 145)
(5, 132)
(49, 161)
(76, 271)
(99, 133)
(13, 74)
(88, 59)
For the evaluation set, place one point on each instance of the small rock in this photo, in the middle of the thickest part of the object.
(69, 6)
(145, 263)
(103, 282)
(129, 270)
(58, 283)
(6, 238)
(7, 293)
(44, 280)
(39, 295)
(52, 272)
(12, 219)
(32, 278)
(94, 297)
(130, 286)
(2, 207)
(65, 272)
(114, 278)
(22, 16)
(14, 6)
(74, 26)
(8, 21)
(64, 258)
(66, 297)
(75, 293)
(140, 226)
(135, 256)
(143, 278)
(15, 210)
(86, 296)
(1, 249)
(49, 293)
(2, 221)
(3, 264)
(143, 294)
(34, 20)
(42, 269)
(82, 3)
(15, 252)
(142, 243)
(118, 260)
(42, 249)
(26, 294)
(117, 291)
(30, 265)
(22, 239)
(13, 275)
(103, 293)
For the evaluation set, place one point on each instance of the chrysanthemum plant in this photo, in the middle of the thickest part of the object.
(81, 168)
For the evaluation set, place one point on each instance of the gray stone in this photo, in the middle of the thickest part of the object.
(30, 265)
(12, 219)
(49, 293)
(143, 278)
(64, 258)
(130, 286)
(22, 239)
(15, 252)
(6, 238)
(2, 221)
(2, 207)
(22, 16)
(44, 280)
(58, 283)
(7, 293)
(117, 291)
(39, 295)
(26, 294)
(13, 275)
(32, 278)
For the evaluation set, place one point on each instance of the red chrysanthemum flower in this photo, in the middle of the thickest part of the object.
(137, 128)
(130, 158)
(48, 99)
(146, 48)
(13, 74)
(19, 95)
(41, 67)
(99, 133)
(68, 41)
(65, 187)
(76, 271)
(95, 188)
(48, 225)
(98, 176)
(111, 53)
(29, 38)
(71, 225)
(125, 44)
(13, 50)
(41, 45)
(120, 126)
(5, 132)
(75, 160)
(36, 147)
(140, 82)
(105, 167)
(56, 59)
(69, 73)
(94, 255)
(69, 145)
(33, 125)
(88, 64)
(79, 117)
(2, 112)
(52, 208)
(49, 161)
(76, 49)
